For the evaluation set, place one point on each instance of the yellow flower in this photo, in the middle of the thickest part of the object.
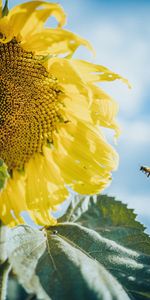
(50, 115)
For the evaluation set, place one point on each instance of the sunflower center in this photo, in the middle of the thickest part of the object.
(29, 105)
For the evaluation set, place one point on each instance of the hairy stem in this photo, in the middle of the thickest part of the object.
(3, 234)
(4, 273)
(4, 264)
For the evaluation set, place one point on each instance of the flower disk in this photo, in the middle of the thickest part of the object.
(29, 105)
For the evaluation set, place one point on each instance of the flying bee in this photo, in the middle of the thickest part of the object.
(146, 170)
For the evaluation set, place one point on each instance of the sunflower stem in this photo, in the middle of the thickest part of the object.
(4, 273)
(4, 264)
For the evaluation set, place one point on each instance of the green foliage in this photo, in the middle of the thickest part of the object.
(92, 255)
(129, 267)
(25, 247)
(73, 273)
(3, 174)
(111, 218)
(65, 270)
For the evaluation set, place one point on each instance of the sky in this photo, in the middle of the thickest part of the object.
(120, 33)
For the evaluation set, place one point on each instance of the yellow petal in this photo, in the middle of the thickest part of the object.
(12, 200)
(5, 32)
(54, 41)
(104, 109)
(37, 19)
(42, 217)
(25, 19)
(84, 157)
(94, 73)
(84, 99)
(44, 185)
(70, 78)
(76, 104)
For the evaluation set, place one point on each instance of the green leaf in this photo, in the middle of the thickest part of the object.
(131, 268)
(59, 266)
(25, 246)
(4, 175)
(66, 271)
(69, 261)
(78, 205)
(111, 218)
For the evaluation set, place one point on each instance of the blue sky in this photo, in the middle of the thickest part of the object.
(119, 32)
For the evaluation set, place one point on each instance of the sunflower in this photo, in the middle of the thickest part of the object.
(51, 114)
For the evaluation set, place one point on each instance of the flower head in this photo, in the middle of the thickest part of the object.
(51, 112)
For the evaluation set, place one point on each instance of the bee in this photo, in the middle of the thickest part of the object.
(146, 170)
